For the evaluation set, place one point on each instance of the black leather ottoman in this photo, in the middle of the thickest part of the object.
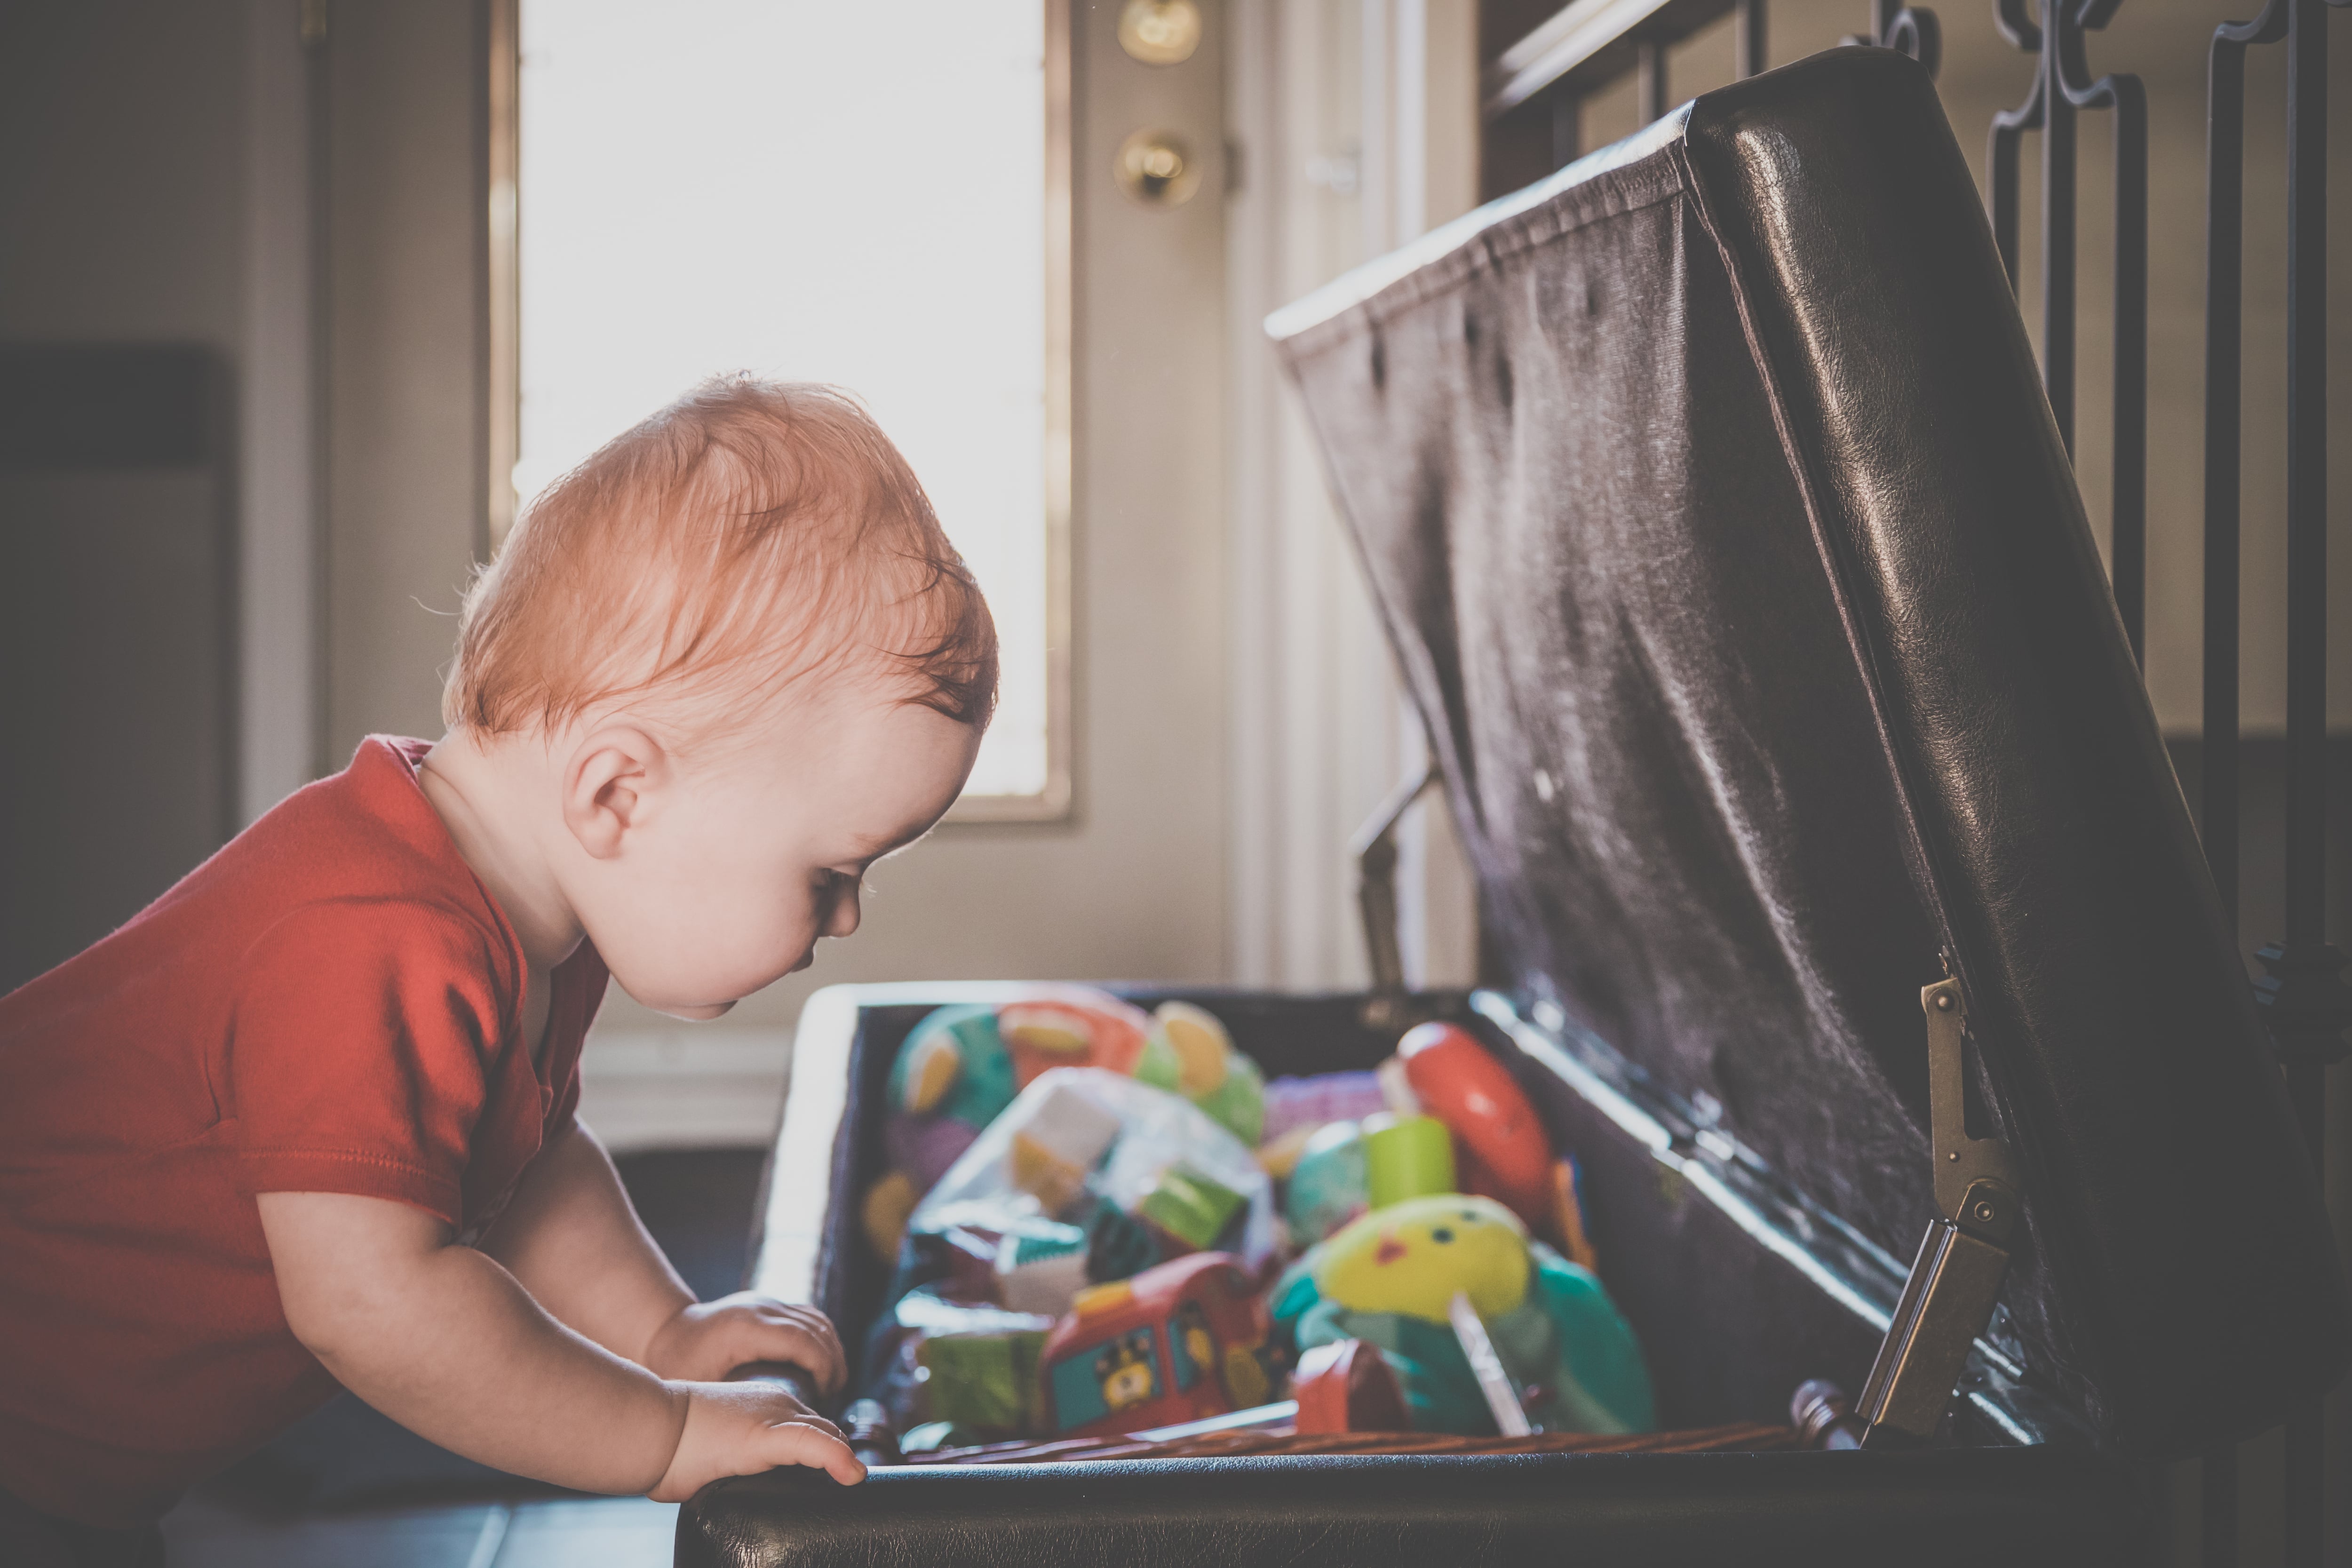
(1841, 884)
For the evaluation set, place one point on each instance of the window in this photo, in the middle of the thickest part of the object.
(874, 196)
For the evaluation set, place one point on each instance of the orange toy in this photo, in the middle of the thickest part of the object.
(1072, 1026)
(1475, 1095)
(1345, 1386)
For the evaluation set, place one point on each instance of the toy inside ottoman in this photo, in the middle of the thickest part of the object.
(1123, 1229)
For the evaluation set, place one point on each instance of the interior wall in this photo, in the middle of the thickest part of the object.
(407, 413)
(118, 564)
(279, 609)
(113, 232)
(151, 162)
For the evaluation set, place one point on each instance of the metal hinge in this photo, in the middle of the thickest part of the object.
(1948, 1299)
(1389, 1006)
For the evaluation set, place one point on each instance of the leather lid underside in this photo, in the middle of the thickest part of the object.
(1728, 550)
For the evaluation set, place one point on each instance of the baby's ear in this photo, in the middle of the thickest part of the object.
(612, 785)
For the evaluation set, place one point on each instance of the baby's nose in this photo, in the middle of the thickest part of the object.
(842, 919)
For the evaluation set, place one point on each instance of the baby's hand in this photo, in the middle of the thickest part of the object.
(744, 1428)
(706, 1342)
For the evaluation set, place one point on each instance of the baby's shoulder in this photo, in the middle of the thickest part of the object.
(356, 868)
(361, 945)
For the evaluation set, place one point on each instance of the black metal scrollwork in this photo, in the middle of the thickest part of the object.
(2008, 127)
(1910, 29)
(2063, 84)
(2304, 997)
(2225, 179)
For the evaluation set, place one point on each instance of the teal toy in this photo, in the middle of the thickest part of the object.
(1387, 1279)
(950, 1079)
(953, 1064)
(1329, 1185)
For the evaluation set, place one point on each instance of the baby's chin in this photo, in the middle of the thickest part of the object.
(693, 1013)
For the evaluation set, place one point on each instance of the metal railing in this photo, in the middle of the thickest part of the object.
(1533, 90)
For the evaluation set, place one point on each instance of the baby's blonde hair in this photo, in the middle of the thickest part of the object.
(750, 536)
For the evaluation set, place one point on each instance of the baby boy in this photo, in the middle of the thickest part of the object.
(308, 1120)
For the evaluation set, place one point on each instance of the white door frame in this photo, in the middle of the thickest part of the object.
(1355, 124)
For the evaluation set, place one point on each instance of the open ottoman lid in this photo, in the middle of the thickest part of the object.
(1710, 496)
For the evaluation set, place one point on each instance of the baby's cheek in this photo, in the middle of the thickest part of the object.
(734, 924)
(713, 947)
(768, 939)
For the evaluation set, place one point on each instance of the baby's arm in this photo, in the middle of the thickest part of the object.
(445, 1341)
(572, 1238)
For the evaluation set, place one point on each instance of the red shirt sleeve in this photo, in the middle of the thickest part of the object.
(366, 1040)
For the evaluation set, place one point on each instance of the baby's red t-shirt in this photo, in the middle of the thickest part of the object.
(330, 1003)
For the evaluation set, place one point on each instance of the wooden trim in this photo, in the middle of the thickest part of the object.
(1056, 801)
(690, 1088)
(505, 411)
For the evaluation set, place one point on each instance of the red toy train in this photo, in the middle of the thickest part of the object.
(1177, 1343)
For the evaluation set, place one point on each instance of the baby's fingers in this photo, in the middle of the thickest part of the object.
(819, 1328)
(814, 1443)
(813, 1349)
(811, 1418)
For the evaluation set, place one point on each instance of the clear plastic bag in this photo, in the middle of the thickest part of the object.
(1079, 1138)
